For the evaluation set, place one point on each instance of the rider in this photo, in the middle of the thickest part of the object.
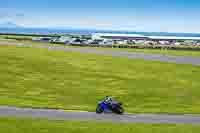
(108, 100)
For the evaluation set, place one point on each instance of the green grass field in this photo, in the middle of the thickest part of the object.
(54, 79)
(13, 125)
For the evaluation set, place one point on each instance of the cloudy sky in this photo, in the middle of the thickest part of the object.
(132, 15)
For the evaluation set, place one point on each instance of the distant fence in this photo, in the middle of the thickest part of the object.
(19, 39)
(161, 47)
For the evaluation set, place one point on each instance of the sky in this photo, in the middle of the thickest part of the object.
(130, 15)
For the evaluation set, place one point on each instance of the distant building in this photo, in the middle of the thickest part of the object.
(114, 36)
(172, 38)
(163, 42)
(150, 42)
(177, 43)
(197, 44)
(62, 39)
(139, 41)
(136, 37)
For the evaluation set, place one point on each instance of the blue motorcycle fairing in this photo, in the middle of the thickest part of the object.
(104, 107)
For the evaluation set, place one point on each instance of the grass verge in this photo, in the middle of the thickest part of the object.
(14, 125)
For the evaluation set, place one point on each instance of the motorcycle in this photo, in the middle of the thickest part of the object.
(115, 107)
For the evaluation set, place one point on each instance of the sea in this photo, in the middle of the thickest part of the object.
(88, 32)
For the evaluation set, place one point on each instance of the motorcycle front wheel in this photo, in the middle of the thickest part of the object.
(99, 110)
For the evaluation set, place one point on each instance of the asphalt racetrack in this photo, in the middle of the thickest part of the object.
(92, 116)
(154, 57)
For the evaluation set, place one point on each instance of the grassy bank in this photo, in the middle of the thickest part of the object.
(55, 79)
(11, 125)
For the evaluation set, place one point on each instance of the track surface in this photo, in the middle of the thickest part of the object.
(155, 57)
(86, 116)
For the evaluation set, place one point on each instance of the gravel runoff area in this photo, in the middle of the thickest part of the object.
(154, 57)
(87, 116)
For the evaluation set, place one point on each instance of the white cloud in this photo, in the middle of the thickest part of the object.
(102, 21)
(9, 15)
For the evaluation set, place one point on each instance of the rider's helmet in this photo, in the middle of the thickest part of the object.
(108, 99)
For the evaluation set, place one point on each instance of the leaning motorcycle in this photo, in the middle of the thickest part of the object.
(115, 107)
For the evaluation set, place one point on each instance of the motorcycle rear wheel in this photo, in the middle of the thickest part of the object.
(119, 110)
